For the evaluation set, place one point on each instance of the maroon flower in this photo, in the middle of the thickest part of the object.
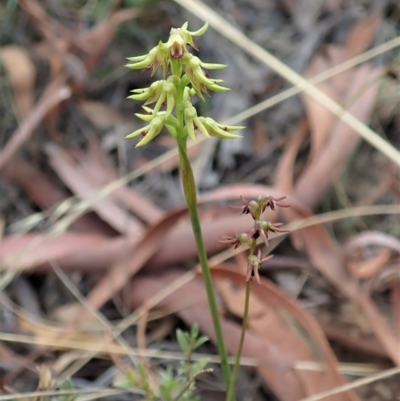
(257, 208)
(254, 264)
(247, 207)
(261, 228)
(236, 240)
(272, 202)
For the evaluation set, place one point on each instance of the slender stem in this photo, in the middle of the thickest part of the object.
(190, 195)
(190, 192)
(242, 335)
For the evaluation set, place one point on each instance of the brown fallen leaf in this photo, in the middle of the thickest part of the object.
(324, 169)
(367, 345)
(275, 360)
(189, 302)
(98, 38)
(368, 238)
(93, 42)
(101, 115)
(55, 93)
(138, 255)
(328, 258)
(363, 269)
(71, 173)
(175, 247)
(362, 33)
(45, 193)
(21, 72)
(284, 173)
(98, 167)
(50, 27)
(322, 120)
(293, 330)
(28, 251)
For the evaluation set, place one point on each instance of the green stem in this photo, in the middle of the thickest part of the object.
(189, 189)
(242, 335)
(190, 192)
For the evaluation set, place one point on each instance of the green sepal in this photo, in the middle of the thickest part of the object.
(144, 117)
(200, 31)
(137, 58)
(189, 129)
(220, 130)
(201, 127)
(211, 66)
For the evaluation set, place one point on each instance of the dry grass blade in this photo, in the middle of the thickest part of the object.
(205, 13)
(354, 384)
(97, 394)
(323, 76)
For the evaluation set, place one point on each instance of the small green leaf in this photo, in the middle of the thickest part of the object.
(183, 341)
(194, 331)
(200, 341)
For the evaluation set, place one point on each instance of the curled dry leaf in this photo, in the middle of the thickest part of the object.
(363, 269)
(371, 238)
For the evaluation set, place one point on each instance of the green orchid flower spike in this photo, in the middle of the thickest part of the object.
(184, 77)
(173, 95)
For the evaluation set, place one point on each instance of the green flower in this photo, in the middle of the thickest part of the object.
(148, 132)
(161, 54)
(180, 37)
(220, 130)
(150, 94)
(198, 78)
(162, 92)
(156, 57)
(254, 264)
(193, 122)
(186, 80)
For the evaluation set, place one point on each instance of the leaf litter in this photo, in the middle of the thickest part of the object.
(137, 240)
